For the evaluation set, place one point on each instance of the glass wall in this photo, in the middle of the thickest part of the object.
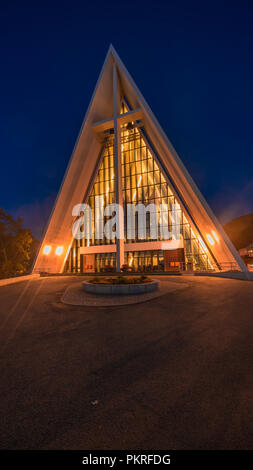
(149, 260)
(142, 182)
(104, 187)
(105, 262)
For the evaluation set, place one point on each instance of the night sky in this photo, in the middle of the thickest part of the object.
(193, 62)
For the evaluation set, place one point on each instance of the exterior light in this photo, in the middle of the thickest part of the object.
(59, 250)
(46, 249)
(215, 236)
(210, 239)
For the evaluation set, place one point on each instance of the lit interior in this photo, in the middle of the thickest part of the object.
(142, 182)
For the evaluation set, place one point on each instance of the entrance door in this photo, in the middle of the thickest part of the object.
(174, 259)
(87, 263)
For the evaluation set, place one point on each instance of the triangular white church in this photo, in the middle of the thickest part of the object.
(123, 156)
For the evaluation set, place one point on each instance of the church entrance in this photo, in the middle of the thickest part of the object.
(174, 260)
(87, 263)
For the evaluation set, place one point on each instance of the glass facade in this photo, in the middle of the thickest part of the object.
(142, 182)
(105, 262)
(148, 260)
(104, 187)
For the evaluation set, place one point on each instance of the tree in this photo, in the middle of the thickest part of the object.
(17, 246)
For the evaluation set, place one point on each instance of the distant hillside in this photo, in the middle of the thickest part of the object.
(240, 231)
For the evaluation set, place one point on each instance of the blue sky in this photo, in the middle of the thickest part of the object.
(191, 60)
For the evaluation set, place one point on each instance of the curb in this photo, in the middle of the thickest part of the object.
(14, 280)
(120, 289)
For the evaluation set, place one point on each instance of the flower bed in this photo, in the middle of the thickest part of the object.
(120, 285)
(120, 280)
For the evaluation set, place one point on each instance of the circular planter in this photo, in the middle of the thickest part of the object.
(120, 289)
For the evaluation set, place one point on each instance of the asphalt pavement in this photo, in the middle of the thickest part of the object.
(172, 373)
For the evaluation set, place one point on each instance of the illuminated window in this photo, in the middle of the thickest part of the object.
(142, 182)
(104, 186)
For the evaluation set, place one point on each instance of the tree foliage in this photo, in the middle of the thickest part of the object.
(17, 246)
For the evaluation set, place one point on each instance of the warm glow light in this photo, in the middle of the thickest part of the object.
(46, 249)
(59, 250)
(131, 261)
(210, 239)
(134, 196)
(139, 182)
(215, 236)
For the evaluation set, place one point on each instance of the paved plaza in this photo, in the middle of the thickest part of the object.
(174, 372)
